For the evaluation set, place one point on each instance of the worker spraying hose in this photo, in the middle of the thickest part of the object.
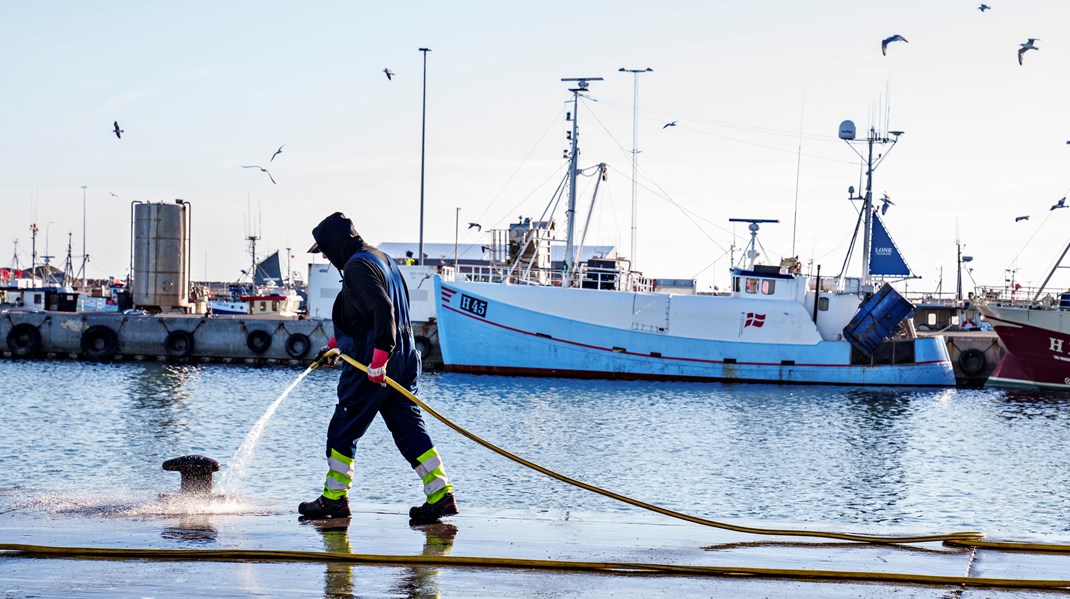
(371, 323)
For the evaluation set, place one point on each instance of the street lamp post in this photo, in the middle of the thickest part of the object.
(423, 146)
(635, 152)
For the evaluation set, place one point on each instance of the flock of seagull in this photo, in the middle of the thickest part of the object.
(1029, 44)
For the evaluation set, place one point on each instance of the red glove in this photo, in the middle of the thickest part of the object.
(332, 343)
(377, 369)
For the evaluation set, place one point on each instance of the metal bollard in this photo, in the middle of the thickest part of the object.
(196, 471)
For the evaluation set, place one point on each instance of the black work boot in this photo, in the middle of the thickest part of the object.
(432, 512)
(323, 508)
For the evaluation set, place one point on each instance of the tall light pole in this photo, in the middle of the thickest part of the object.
(423, 147)
(85, 257)
(635, 152)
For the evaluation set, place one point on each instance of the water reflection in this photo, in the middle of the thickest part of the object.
(338, 580)
(417, 582)
(422, 582)
(159, 395)
(1034, 404)
(876, 433)
(195, 529)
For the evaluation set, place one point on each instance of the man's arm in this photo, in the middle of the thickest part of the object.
(366, 285)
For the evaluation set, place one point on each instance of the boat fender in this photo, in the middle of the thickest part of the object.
(179, 344)
(972, 362)
(99, 342)
(258, 341)
(24, 340)
(297, 345)
(423, 345)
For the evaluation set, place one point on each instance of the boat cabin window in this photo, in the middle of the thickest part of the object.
(823, 304)
(263, 306)
(275, 306)
(755, 285)
(930, 319)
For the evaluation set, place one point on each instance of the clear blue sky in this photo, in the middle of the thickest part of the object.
(202, 88)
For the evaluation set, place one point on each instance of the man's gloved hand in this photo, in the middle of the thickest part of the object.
(377, 369)
(322, 358)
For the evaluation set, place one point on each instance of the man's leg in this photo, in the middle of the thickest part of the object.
(406, 424)
(358, 402)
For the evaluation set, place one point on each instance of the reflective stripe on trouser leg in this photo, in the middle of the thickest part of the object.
(433, 475)
(339, 476)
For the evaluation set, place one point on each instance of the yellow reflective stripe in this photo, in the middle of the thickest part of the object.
(433, 475)
(424, 468)
(340, 467)
(336, 485)
(438, 495)
(342, 458)
(435, 485)
(339, 476)
(436, 473)
(427, 455)
(329, 494)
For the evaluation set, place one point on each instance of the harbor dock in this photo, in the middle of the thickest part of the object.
(197, 338)
(54, 545)
(100, 336)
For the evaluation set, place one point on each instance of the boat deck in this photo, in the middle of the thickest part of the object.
(544, 554)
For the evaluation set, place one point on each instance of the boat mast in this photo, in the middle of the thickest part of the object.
(573, 171)
(847, 133)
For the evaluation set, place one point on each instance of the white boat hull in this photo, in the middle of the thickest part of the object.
(518, 330)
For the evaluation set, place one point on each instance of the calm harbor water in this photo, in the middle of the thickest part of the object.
(842, 458)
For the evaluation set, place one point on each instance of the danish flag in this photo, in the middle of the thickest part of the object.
(754, 320)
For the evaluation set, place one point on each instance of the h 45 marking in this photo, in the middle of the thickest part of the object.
(473, 305)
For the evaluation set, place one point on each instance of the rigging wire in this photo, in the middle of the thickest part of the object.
(521, 165)
(751, 129)
(1040, 226)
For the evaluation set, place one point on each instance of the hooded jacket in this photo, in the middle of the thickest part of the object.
(363, 309)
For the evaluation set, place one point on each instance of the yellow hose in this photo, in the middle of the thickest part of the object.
(261, 555)
(951, 536)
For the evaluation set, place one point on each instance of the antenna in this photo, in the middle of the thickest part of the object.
(752, 247)
(847, 134)
(582, 83)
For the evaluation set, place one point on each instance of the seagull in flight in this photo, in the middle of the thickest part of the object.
(277, 152)
(476, 225)
(113, 194)
(389, 74)
(1021, 218)
(118, 132)
(261, 168)
(984, 7)
(672, 124)
(888, 40)
(1060, 204)
(887, 202)
(1027, 46)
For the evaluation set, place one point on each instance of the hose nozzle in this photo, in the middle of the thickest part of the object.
(327, 355)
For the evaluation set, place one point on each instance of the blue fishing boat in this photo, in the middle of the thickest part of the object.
(776, 325)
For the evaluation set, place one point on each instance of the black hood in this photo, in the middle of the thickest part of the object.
(337, 238)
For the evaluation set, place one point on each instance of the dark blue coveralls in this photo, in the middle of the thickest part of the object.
(359, 399)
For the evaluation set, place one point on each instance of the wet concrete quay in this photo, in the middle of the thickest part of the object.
(377, 537)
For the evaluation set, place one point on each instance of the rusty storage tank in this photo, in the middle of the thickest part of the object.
(160, 252)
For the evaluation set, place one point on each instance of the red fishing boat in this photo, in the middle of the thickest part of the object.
(1037, 338)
